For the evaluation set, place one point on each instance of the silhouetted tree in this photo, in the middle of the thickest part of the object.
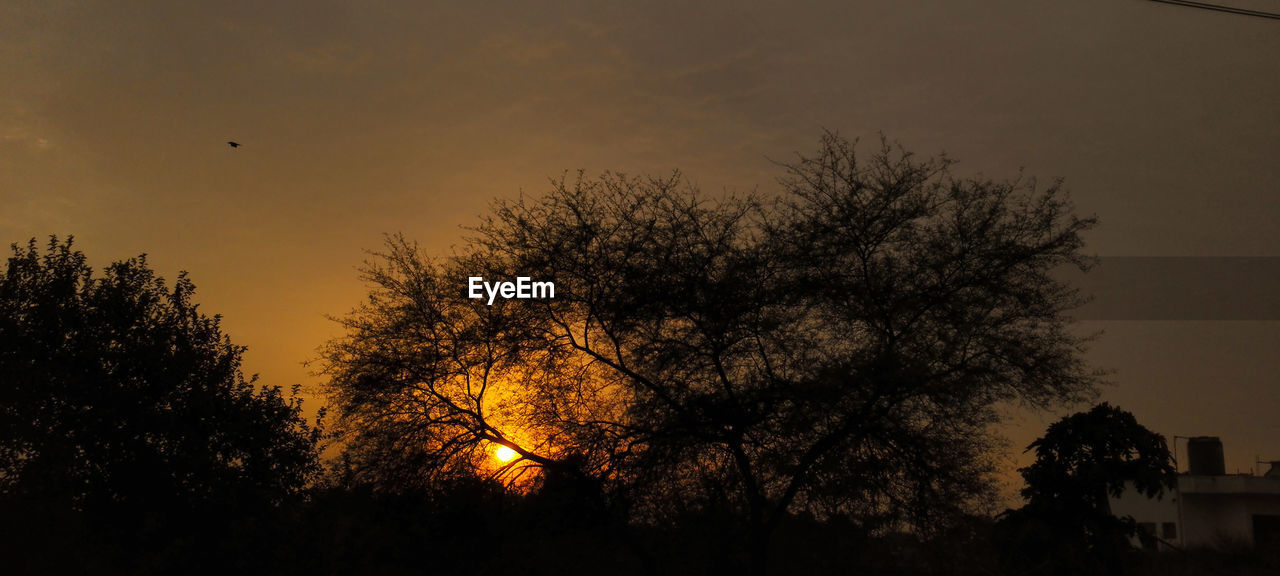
(123, 408)
(838, 351)
(1083, 459)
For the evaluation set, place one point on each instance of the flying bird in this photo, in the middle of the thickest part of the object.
(234, 144)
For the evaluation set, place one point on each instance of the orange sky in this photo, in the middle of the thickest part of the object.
(391, 116)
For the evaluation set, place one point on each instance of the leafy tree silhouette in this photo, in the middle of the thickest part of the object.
(1066, 526)
(124, 411)
(837, 352)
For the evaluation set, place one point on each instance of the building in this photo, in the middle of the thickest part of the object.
(1209, 508)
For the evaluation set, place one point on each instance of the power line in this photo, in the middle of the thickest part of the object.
(1221, 8)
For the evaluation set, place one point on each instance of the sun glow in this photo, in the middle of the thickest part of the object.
(504, 454)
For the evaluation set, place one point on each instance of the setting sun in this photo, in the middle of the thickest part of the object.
(504, 454)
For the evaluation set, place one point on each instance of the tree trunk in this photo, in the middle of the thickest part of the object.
(758, 549)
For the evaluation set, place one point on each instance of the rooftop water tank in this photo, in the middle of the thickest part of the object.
(1204, 456)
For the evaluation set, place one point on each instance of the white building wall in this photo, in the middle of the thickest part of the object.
(1210, 511)
(1225, 521)
(1148, 510)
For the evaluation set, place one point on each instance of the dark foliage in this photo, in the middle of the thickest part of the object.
(1066, 526)
(125, 422)
(1087, 456)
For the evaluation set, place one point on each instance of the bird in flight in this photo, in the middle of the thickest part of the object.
(233, 144)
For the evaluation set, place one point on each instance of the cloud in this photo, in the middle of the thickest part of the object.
(20, 128)
(22, 136)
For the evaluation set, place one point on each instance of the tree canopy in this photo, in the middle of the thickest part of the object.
(119, 397)
(1067, 526)
(1087, 456)
(838, 350)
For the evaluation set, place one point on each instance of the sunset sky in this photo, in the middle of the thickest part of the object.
(356, 121)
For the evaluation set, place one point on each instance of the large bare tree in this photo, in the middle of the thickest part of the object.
(840, 349)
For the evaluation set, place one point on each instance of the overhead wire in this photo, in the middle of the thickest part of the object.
(1221, 8)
